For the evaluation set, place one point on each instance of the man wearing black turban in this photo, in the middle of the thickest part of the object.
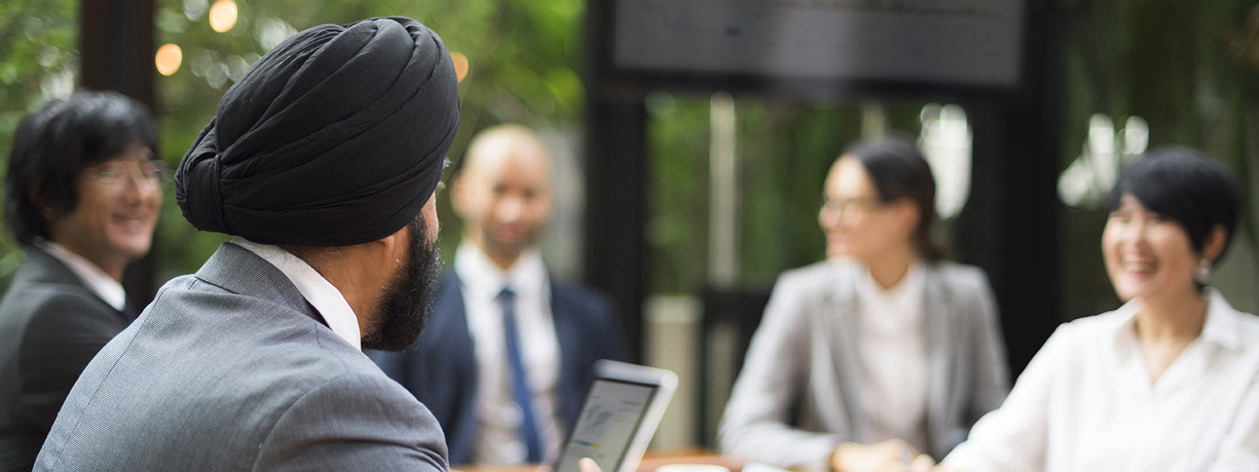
(323, 162)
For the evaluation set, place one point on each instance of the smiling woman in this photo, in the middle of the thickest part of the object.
(82, 195)
(1170, 380)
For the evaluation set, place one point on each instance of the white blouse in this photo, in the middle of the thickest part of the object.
(1085, 403)
(893, 359)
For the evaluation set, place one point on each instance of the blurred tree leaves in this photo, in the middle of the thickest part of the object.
(524, 59)
(1189, 68)
(38, 58)
(523, 68)
(1184, 67)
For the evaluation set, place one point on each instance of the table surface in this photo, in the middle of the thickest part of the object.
(651, 461)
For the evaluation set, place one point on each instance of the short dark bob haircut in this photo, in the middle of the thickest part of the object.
(899, 171)
(52, 145)
(1185, 186)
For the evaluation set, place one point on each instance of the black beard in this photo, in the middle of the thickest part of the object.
(402, 310)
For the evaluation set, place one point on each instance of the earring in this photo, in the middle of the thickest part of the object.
(1203, 272)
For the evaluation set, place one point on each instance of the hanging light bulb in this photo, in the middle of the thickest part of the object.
(223, 15)
(168, 59)
(461, 65)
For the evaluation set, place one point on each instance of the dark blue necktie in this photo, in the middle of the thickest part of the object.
(519, 379)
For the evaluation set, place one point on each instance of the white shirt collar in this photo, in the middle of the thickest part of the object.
(908, 286)
(485, 280)
(896, 308)
(93, 277)
(1221, 325)
(321, 294)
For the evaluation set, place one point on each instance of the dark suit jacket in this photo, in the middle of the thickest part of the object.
(50, 327)
(231, 369)
(441, 368)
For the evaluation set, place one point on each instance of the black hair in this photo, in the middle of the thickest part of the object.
(898, 170)
(52, 145)
(1186, 186)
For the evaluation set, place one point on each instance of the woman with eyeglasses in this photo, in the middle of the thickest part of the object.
(1167, 382)
(81, 196)
(881, 353)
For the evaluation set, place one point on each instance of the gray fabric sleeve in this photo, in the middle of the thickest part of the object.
(754, 425)
(992, 375)
(355, 422)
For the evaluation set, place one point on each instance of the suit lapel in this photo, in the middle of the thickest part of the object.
(51, 270)
(453, 321)
(568, 334)
(449, 335)
(839, 319)
(938, 348)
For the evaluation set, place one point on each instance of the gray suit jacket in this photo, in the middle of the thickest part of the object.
(799, 394)
(231, 369)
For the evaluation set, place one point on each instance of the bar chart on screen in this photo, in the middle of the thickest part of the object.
(609, 421)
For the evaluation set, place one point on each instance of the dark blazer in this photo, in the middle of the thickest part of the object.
(50, 327)
(441, 368)
(232, 369)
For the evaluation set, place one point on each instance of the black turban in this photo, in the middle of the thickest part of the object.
(336, 137)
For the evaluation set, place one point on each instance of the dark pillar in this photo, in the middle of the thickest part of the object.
(616, 208)
(116, 49)
(616, 258)
(1010, 227)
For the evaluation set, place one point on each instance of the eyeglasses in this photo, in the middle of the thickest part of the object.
(115, 176)
(846, 206)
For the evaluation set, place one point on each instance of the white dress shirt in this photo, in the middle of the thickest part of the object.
(1086, 403)
(498, 437)
(92, 276)
(317, 290)
(893, 360)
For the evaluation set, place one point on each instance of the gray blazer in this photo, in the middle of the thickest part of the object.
(231, 369)
(803, 366)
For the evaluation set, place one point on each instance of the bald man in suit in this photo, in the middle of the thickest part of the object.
(509, 351)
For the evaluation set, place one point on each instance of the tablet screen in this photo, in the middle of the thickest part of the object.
(613, 411)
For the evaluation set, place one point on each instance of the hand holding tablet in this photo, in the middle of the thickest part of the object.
(618, 417)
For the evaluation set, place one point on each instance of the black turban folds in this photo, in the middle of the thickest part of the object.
(336, 137)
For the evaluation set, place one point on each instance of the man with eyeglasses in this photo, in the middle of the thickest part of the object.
(82, 197)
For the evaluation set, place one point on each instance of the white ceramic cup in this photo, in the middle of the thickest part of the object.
(691, 468)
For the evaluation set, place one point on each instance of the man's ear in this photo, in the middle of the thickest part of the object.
(459, 195)
(35, 196)
(395, 246)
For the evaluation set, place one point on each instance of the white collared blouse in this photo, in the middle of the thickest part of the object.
(1086, 403)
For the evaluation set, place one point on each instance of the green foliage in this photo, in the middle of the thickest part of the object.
(1179, 65)
(1183, 66)
(523, 60)
(37, 60)
(785, 148)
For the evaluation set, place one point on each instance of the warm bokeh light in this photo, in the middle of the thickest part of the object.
(169, 58)
(461, 64)
(223, 15)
